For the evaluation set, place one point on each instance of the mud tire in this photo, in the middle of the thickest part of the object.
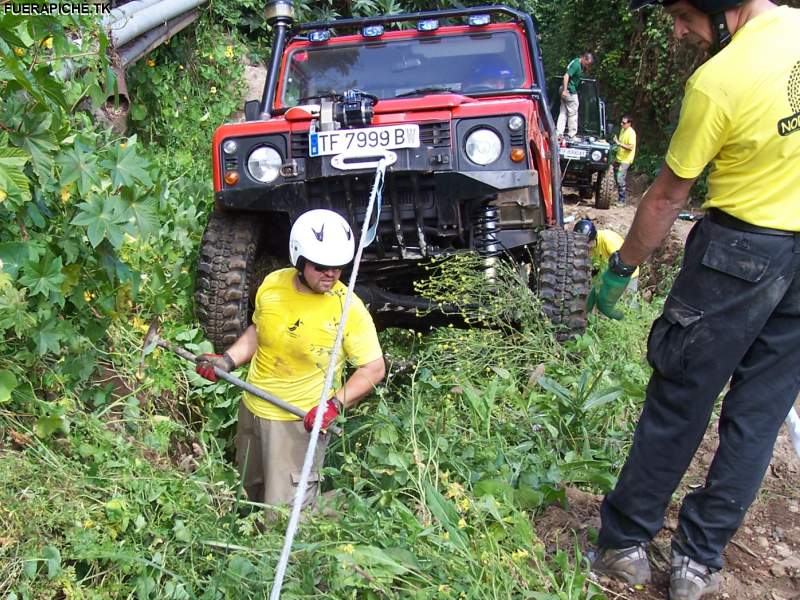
(225, 270)
(562, 278)
(605, 189)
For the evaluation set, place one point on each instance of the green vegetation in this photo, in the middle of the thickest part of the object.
(119, 483)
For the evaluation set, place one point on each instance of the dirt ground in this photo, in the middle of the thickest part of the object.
(762, 562)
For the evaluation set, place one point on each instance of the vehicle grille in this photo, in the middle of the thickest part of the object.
(518, 137)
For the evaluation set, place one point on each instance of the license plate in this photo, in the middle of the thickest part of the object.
(572, 153)
(363, 141)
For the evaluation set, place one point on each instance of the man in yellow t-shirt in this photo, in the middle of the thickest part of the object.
(626, 152)
(733, 313)
(289, 345)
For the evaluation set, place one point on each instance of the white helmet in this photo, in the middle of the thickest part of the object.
(323, 237)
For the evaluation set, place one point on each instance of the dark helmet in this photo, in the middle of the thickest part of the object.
(587, 228)
(715, 9)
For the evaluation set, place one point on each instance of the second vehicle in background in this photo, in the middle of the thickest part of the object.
(585, 159)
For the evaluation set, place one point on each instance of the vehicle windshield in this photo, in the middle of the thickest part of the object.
(463, 64)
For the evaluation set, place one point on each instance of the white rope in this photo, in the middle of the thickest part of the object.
(283, 562)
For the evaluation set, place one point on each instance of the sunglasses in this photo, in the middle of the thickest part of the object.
(323, 268)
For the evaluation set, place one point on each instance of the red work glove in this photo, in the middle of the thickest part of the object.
(207, 362)
(332, 410)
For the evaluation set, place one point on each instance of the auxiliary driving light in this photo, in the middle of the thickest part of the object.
(230, 147)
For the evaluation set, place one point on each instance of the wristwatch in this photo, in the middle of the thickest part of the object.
(617, 267)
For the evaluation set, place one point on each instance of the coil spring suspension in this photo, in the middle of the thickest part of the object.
(485, 229)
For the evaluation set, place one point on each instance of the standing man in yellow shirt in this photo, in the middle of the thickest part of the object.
(625, 155)
(297, 314)
(733, 313)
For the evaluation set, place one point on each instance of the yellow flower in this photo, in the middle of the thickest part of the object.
(89, 296)
(444, 589)
(19, 52)
(123, 145)
(346, 548)
(229, 51)
(519, 554)
(213, 90)
(455, 490)
(48, 42)
(65, 194)
(3, 195)
(151, 62)
(462, 523)
(446, 535)
(464, 504)
(88, 524)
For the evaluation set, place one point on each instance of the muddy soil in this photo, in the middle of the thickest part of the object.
(762, 562)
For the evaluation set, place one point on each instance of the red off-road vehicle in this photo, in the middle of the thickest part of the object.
(456, 101)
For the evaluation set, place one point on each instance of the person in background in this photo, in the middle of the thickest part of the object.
(602, 244)
(568, 113)
(626, 152)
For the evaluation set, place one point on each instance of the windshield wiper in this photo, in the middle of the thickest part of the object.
(425, 90)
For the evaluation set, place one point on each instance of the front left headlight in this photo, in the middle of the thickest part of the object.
(483, 146)
(264, 164)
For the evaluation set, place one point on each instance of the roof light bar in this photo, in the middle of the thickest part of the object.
(319, 35)
(372, 31)
(428, 25)
(479, 20)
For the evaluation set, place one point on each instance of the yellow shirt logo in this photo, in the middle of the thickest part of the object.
(792, 124)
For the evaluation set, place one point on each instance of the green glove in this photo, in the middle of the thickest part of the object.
(606, 293)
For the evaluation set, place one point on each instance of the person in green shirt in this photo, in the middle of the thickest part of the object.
(568, 114)
(626, 151)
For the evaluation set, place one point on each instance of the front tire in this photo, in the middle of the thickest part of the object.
(562, 278)
(225, 270)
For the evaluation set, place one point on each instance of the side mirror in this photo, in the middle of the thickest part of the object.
(252, 110)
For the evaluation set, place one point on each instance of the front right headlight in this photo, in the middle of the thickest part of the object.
(483, 146)
(264, 164)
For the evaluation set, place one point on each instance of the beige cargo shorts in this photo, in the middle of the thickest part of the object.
(270, 456)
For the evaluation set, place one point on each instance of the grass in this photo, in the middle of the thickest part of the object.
(432, 492)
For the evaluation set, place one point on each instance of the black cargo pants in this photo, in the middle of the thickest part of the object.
(733, 312)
